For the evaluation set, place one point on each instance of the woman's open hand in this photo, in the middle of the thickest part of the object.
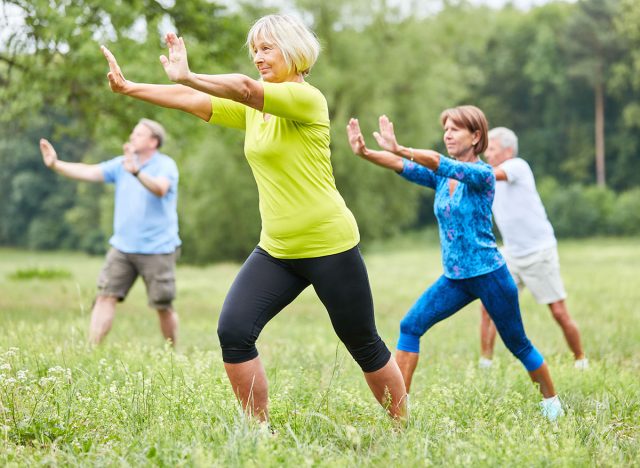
(386, 138)
(117, 81)
(177, 65)
(356, 140)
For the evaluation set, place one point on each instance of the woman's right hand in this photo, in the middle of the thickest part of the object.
(49, 155)
(386, 138)
(117, 81)
(177, 65)
(356, 140)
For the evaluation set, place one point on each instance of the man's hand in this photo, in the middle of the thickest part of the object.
(177, 65)
(386, 138)
(49, 155)
(130, 161)
(117, 81)
(356, 140)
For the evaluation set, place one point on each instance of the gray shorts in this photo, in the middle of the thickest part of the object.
(120, 271)
(540, 273)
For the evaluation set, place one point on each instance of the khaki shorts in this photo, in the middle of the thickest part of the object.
(540, 272)
(120, 271)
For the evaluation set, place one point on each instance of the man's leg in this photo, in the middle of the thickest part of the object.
(159, 272)
(569, 327)
(169, 324)
(104, 310)
(114, 281)
(487, 334)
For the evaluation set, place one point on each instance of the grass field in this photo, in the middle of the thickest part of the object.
(133, 401)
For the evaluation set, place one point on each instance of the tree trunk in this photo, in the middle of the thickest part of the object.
(599, 104)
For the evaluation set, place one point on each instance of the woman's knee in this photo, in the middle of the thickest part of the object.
(237, 341)
(410, 326)
(371, 356)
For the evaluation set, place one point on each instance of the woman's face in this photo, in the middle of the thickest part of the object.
(459, 140)
(270, 62)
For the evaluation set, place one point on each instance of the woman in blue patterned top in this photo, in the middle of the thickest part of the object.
(473, 267)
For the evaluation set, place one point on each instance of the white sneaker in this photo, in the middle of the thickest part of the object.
(581, 364)
(485, 363)
(551, 408)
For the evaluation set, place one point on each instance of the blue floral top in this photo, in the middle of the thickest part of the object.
(464, 218)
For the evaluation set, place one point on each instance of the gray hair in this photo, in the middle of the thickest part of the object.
(157, 130)
(299, 46)
(506, 137)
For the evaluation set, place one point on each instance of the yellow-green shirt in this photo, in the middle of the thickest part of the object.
(303, 214)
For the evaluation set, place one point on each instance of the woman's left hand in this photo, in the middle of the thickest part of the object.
(356, 140)
(177, 65)
(386, 138)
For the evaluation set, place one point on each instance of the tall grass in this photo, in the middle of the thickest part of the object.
(134, 401)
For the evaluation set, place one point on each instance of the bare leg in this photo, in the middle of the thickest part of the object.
(542, 377)
(569, 327)
(104, 310)
(249, 383)
(407, 363)
(169, 324)
(487, 334)
(388, 388)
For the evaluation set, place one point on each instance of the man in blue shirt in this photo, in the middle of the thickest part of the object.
(145, 238)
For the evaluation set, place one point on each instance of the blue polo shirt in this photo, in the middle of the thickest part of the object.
(464, 218)
(143, 223)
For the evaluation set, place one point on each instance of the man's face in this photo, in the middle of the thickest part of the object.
(142, 139)
(495, 153)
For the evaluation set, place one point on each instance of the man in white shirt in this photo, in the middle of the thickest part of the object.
(530, 246)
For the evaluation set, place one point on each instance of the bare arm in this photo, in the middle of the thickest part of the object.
(386, 138)
(500, 174)
(381, 158)
(172, 96)
(78, 171)
(237, 87)
(159, 186)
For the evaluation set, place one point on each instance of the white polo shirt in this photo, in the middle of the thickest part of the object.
(519, 213)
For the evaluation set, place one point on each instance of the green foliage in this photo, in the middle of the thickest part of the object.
(39, 273)
(525, 69)
(625, 219)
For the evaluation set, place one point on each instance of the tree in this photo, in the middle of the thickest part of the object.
(592, 46)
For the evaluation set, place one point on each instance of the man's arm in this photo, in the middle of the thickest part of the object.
(500, 174)
(159, 186)
(78, 171)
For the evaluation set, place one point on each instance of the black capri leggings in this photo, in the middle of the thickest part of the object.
(265, 285)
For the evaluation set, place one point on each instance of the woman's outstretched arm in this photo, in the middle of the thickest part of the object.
(381, 158)
(236, 87)
(172, 96)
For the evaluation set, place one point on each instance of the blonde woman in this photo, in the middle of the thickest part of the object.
(309, 236)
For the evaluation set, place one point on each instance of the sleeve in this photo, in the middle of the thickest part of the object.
(515, 169)
(228, 113)
(170, 171)
(418, 174)
(111, 169)
(299, 102)
(477, 176)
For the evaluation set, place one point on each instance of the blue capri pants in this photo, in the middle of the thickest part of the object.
(499, 294)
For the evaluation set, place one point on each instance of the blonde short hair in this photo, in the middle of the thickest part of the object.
(471, 118)
(299, 46)
(157, 130)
